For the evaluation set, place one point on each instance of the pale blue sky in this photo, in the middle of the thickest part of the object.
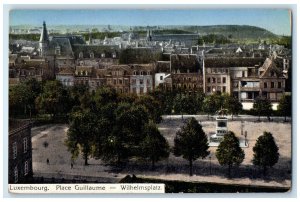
(274, 20)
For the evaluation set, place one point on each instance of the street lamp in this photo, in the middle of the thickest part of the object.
(245, 138)
(209, 163)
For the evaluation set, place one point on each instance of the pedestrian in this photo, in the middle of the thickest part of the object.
(48, 162)
(71, 165)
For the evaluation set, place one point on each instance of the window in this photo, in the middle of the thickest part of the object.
(141, 81)
(141, 73)
(148, 82)
(141, 90)
(126, 81)
(25, 146)
(133, 81)
(115, 81)
(120, 81)
(208, 89)
(272, 84)
(265, 85)
(26, 168)
(224, 89)
(16, 174)
(134, 90)
(279, 85)
(219, 80)
(213, 80)
(161, 78)
(134, 73)
(15, 150)
(224, 79)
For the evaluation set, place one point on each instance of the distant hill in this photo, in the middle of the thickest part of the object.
(231, 31)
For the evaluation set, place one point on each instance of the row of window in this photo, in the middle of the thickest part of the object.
(140, 81)
(216, 80)
(217, 70)
(141, 73)
(15, 147)
(16, 171)
(213, 89)
(189, 79)
(272, 84)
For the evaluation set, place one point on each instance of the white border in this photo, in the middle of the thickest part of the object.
(167, 4)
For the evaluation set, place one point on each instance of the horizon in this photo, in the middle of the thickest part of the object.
(262, 18)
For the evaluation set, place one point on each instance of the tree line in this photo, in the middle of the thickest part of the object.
(33, 98)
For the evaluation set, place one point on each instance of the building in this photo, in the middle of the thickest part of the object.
(187, 82)
(118, 77)
(66, 77)
(141, 80)
(216, 76)
(20, 152)
(272, 79)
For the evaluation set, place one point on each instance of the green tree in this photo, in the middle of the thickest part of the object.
(81, 134)
(19, 99)
(154, 146)
(229, 152)
(54, 99)
(212, 103)
(153, 107)
(265, 152)
(262, 107)
(232, 104)
(191, 142)
(285, 106)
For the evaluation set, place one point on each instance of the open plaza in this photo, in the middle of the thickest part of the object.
(48, 142)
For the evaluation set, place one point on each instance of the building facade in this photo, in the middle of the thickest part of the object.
(20, 152)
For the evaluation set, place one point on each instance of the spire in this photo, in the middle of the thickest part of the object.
(44, 35)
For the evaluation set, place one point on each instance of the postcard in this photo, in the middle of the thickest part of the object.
(150, 101)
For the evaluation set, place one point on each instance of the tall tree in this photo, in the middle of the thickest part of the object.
(262, 107)
(81, 134)
(54, 99)
(212, 103)
(154, 146)
(285, 106)
(191, 142)
(153, 107)
(232, 104)
(265, 152)
(229, 152)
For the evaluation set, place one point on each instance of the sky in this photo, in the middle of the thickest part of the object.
(274, 20)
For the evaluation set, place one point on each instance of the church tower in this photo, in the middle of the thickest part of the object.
(44, 41)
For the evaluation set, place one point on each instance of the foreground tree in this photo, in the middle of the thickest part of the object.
(262, 107)
(81, 134)
(154, 146)
(229, 152)
(191, 142)
(265, 152)
(285, 106)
